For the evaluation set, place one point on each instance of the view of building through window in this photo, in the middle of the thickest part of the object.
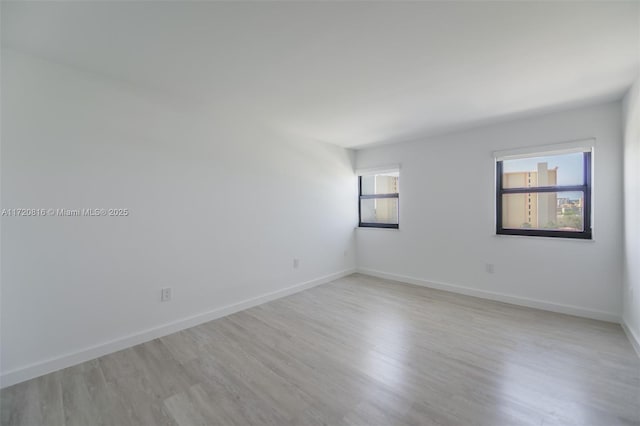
(382, 207)
(562, 211)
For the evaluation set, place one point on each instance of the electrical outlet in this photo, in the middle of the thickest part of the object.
(296, 263)
(166, 294)
(489, 268)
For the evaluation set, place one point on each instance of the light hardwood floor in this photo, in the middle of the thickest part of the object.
(357, 351)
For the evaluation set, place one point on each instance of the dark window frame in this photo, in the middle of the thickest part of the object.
(585, 188)
(361, 197)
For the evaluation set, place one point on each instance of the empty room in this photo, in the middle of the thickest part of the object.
(297, 213)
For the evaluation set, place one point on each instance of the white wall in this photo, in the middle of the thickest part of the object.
(447, 229)
(632, 212)
(219, 209)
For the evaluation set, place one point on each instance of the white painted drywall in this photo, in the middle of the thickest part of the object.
(219, 207)
(632, 212)
(447, 229)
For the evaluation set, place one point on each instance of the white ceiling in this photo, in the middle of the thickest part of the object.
(349, 73)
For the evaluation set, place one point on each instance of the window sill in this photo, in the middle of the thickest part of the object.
(531, 237)
(373, 228)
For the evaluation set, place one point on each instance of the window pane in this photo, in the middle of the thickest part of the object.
(564, 169)
(380, 184)
(379, 210)
(559, 211)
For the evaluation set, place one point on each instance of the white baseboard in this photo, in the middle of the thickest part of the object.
(500, 297)
(633, 337)
(31, 371)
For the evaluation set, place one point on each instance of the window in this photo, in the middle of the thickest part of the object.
(379, 197)
(544, 194)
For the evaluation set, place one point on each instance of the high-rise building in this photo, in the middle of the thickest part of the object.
(534, 210)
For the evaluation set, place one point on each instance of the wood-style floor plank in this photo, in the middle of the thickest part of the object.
(357, 351)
